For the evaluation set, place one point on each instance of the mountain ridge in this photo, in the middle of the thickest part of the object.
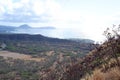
(11, 29)
(40, 40)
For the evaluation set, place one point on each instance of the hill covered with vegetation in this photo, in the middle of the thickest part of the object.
(56, 54)
(34, 44)
(61, 59)
(102, 63)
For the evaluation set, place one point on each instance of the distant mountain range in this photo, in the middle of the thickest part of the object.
(11, 29)
(24, 26)
(81, 40)
(6, 29)
(45, 31)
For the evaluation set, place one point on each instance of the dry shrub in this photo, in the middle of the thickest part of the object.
(97, 75)
(113, 74)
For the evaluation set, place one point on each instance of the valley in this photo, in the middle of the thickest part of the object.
(34, 56)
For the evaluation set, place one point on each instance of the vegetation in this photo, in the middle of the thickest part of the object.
(64, 59)
(101, 63)
(112, 74)
(57, 53)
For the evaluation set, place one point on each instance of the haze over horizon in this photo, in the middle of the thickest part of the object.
(83, 19)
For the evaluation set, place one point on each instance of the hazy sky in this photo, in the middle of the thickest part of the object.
(88, 18)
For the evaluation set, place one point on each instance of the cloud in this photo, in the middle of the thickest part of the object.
(27, 10)
(36, 11)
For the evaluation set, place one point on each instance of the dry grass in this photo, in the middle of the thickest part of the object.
(7, 54)
(97, 75)
(112, 74)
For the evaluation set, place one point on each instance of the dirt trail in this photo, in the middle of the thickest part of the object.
(14, 55)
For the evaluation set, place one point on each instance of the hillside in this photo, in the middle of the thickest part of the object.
(42, 55)
(103, 63)
(61, 59)
(30, 44)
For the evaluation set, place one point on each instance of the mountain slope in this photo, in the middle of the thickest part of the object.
(55, 54)
(103, 58)
(36, 43)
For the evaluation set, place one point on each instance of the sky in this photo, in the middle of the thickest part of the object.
(81, 18)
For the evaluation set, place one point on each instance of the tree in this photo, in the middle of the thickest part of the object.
(113, 36)
(112, 33)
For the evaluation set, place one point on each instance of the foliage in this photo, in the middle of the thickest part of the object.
(58, 54)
